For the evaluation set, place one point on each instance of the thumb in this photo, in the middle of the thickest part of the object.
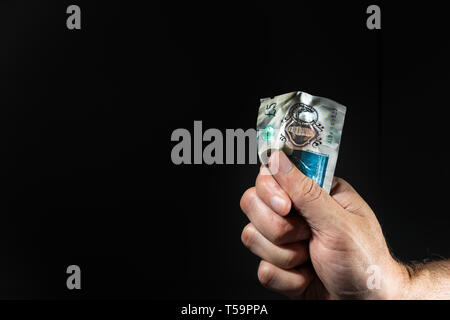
(318, 208)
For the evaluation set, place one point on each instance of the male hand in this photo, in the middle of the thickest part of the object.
(327, 249)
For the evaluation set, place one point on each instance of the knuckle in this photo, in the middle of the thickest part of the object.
(266, 274)
(312, 191)
(290, 260)
(299, 286)
(265, 183)
(341, 181)
(259, 181)
(280, 230)
(308, 191)
(247, 199)
(338, 180)
(341, 185)
(248, 235)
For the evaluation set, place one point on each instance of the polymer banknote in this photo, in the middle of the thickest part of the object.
(307, 128)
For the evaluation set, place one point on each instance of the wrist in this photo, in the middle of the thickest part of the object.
(400, 283)
(412, 279)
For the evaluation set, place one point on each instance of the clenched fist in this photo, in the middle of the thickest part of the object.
(327, 247)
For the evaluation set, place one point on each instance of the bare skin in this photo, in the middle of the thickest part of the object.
(329, 247)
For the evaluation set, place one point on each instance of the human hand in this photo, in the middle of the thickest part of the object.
(328, 249)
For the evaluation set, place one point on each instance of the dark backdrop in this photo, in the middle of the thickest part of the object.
(86, 120)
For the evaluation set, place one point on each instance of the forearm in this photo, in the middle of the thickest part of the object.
(428, 281)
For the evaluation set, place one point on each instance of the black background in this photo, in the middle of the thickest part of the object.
(86, 120)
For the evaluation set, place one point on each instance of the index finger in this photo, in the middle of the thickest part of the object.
(269, 191)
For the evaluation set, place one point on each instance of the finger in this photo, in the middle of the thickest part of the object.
(277, 229)
(291, 283)
(314, 204)
(270, 192)
(348, 198)
(284, 256)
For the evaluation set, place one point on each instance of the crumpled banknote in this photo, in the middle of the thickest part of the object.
(307, 128)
